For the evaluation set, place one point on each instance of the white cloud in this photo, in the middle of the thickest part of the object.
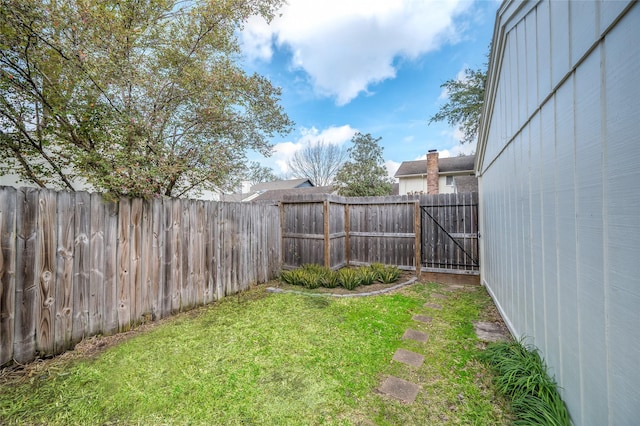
(392, 167)
(283, 151)
(345, 46)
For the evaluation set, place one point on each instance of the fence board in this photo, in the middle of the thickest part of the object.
(148, 262)
(8, 199)
(64, 272)
(96, 276)
(110, 291)
(81, 267)
(176, 255)
(123, 265)
(135, 273)
(167, 256)
(45, 332)
(186, 255)
(26, 290)
(157, 259)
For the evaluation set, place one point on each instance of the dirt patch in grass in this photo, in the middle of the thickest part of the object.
(87, 348)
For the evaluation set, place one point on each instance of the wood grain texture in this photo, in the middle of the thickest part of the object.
(73, 265)
(110, 316)
(96, 275)
(81, 267)
(64, 271)
(27, 293)
(45, 332)
(8, 199)
(123, 265)
(135, 265)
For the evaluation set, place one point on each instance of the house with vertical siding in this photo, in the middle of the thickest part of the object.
(558, 157)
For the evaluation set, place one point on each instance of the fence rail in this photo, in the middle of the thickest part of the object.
(73, 265)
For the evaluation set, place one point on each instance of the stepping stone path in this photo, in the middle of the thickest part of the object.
(407, 357)
(416, 335)
(407, 391)
(433, 306)
(422, 318)
(400, 389)
(490, 331)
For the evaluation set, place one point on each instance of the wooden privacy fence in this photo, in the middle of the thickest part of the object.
(437, 232)
(337, 231)
(73, 265)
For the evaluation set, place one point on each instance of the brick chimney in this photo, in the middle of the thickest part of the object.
(432, 171)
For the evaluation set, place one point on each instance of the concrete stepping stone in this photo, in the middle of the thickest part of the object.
(433, 306)
(490, 331)
(422, 318)
(416, 335)
(400, 389)
(407, 357)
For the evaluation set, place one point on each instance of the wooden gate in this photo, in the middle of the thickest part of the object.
(449, 225)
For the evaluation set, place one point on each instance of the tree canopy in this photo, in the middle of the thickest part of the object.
(464, 105)
(364, 174)
(257, 173)
(136, 98)
(318, 162)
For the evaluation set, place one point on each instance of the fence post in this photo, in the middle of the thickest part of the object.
(327, 235)
(347, 243)
(418, 240)
(281, 207)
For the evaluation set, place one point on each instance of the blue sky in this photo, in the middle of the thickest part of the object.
(373, 66)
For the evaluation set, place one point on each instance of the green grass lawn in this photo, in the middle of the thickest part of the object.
(275, 359)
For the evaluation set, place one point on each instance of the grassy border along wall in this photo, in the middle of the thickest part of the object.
(521, 374)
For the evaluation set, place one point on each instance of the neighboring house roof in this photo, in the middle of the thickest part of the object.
(466, 184)
(445, 165)
(456, 164)
(278, 194)
(412, 168)
(233, 197)
(282, 184)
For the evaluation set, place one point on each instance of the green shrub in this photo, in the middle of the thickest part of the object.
(309, 279)
(313, 268)
(521, 375)
(367, 275)
(349, 278)
(377, 268)
(290, 277)
(330, 279)
(389, 274)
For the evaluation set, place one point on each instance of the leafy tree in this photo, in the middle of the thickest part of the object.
(135, 97)
(256, 173)
(464, 106)
(318, 162)
(365, 175)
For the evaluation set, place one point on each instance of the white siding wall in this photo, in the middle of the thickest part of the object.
(443, 188)
(560, 201)
(412, 184)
